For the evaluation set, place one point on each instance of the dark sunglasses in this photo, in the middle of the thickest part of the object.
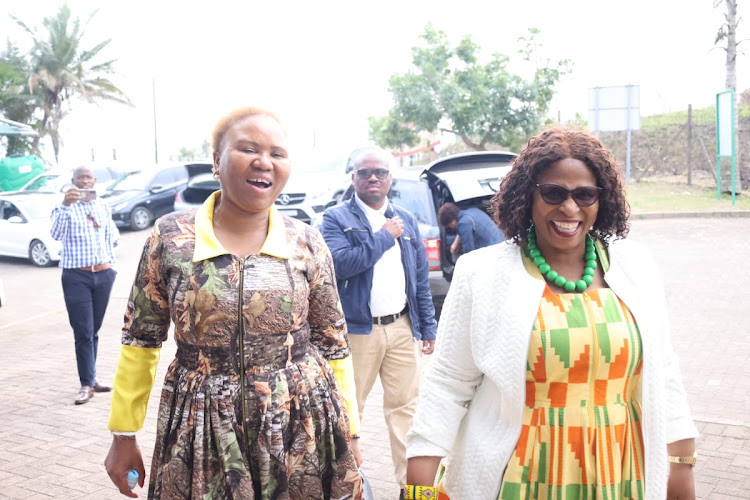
(554, 194)
(366, 173)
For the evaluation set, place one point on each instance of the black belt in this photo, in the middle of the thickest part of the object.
(390, 318)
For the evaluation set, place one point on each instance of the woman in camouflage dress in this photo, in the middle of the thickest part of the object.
(254, 405)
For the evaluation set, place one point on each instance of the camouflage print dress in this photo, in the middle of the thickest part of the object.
(280, 430)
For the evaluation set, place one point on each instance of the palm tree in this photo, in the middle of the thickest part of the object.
(16, 101)
(61, 69)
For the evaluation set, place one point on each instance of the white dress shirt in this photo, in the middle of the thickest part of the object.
(388, 292)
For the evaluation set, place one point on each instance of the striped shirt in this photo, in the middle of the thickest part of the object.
(87, 232)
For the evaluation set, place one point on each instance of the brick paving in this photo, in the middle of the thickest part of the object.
(50, 448)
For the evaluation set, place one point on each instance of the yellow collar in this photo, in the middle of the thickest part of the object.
(207, 246)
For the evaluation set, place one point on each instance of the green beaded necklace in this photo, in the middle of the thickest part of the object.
(552, 275)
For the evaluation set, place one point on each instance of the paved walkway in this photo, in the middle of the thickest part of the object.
(50, 448)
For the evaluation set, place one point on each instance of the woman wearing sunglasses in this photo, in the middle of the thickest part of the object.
(554, 376)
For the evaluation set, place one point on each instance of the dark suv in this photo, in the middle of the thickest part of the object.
(468, 180)
(142, 196)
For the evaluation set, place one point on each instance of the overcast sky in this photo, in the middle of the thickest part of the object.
(324, 66)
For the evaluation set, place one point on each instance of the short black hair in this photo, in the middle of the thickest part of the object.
(448, 213)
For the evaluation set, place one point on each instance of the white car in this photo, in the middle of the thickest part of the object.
(25, 227)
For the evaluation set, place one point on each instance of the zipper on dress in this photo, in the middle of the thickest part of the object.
(241, 336)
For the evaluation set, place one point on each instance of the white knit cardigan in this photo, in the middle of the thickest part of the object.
(471, 404)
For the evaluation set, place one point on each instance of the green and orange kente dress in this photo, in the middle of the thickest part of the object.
(581, 436)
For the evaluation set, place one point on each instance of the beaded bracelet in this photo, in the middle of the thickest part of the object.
(412, 492)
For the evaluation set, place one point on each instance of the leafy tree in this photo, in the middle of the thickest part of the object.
(186, 154)
(389, 132)
(16, 101)
(61, 69)
(190, 154)
(449, 89)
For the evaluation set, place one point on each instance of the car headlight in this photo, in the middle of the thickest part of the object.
(120, 206)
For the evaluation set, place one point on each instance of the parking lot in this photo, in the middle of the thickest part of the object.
(50, 448)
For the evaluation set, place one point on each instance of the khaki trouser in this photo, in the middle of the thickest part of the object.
(391, 352)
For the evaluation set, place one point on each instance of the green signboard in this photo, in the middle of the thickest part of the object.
(725, 139)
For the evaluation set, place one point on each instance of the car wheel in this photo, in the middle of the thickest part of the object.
(140, 218)
(38, 254)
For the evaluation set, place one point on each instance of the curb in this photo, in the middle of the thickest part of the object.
(692, 215)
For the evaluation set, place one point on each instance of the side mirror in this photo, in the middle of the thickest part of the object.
(16, 219)
(156, 188)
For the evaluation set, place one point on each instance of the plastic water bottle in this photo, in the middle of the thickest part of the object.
(132, 478)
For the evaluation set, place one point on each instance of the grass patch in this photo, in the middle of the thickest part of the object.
(701, 116)
(645, 196)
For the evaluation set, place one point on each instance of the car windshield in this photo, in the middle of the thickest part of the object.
(413, 196)
(104, 175)
(47, 183)
(132, 181)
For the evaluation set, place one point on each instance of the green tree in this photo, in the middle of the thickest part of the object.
(62, 69)
(186, 154)
(192, 154)
(449, 89)
(16, 101)
(389, 132)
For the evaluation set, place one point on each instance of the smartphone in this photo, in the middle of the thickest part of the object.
(88, 194)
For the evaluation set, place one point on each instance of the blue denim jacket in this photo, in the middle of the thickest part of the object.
(477, 230)
(356, 249)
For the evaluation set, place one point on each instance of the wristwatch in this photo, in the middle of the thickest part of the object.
(683, 460)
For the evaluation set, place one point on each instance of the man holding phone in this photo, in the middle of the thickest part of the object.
(87, 194)
(85, 227)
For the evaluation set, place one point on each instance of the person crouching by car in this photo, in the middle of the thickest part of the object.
(475, 228)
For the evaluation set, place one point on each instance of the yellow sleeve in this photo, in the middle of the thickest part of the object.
(343, 370)
(134, 379)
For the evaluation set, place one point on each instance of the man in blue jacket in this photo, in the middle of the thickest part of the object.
(383, 281)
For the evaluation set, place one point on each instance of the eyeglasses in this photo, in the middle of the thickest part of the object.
(91, 219)
(554, 194)
(366, 173)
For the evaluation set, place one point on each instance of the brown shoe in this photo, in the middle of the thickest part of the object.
(86, 393)
(101, 387)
